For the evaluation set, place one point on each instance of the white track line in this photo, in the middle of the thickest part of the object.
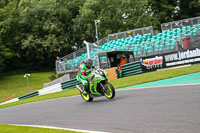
(88, 131)
(160, 86)
(51, 127)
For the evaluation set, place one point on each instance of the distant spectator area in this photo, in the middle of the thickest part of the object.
(142, 42)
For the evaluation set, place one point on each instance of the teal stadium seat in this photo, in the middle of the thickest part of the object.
(167, 45)
(146, 48)
(172, 44)
(156, 47)
(135, 50)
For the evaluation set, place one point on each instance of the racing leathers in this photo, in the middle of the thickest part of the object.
(82, 74)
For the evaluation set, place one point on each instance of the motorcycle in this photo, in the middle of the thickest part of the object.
(98, 85)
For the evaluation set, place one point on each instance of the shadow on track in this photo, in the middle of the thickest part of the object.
(104, 99)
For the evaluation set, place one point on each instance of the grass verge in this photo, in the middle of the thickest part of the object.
(16, 85)
(119, 83)
(65, 93)
(154, 76)
(4, 128)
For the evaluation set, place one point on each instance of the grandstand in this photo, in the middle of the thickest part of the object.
(142, 42)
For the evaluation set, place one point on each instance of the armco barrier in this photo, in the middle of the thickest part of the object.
(47, 90)
(132, 69)
(36, 93)
(127, 69)
(50, 89)
(70, 84)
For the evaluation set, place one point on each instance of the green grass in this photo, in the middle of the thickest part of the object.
(16, 85)
(4, 128)
(119, 83)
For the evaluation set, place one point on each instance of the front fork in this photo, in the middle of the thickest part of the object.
(79, 88)
(104, 89)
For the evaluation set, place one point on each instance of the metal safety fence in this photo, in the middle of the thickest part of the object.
(175, 36)
(132, 68)
(131, 33)
(71, 61)
(180, 23)
(168, 41)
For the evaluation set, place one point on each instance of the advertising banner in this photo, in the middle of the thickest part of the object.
(152, 63)
(177, 58)
(189, 56)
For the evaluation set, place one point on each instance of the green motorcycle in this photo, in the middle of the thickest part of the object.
(98, 86)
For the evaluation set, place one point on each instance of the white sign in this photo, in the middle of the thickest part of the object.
(27, 75)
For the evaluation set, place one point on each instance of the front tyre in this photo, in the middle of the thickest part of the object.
(86, 96)
(110, 91)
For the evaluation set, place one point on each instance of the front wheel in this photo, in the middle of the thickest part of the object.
(86, 96)
(110, 91)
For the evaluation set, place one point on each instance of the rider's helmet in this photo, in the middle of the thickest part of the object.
(88, 63)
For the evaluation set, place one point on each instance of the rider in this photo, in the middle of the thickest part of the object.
(85, 68)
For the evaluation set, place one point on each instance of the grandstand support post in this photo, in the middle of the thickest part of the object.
(74, 56)
(56, 68)
(88, 48)
(97, 54)
(96, 22)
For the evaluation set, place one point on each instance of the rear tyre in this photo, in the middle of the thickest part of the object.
(110, 91)
(86, 96)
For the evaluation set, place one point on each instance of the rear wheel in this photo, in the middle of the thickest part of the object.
(86, 96)
(110, 91)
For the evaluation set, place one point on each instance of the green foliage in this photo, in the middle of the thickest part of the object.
(44, 33)
(53, 76)
(36, 31)
(7, 22)
(33, 32)
(189, 8)
(115, 16)
(5, 54)
(163, 9)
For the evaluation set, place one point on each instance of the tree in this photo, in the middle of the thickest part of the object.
(163, 10)
(33, 32)
(36, 31)
(115, 16)
(8, 20)
(188, 8)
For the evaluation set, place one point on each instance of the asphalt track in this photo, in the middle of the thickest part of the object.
(174, 109)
